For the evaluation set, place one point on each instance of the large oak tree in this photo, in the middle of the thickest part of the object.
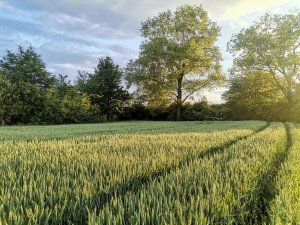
(178, 56)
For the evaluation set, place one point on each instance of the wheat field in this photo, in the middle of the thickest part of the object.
(151, 173)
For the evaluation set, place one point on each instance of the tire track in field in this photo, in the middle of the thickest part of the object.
(266, 188)
(136, 183)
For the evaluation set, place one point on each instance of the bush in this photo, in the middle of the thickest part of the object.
(190, 112)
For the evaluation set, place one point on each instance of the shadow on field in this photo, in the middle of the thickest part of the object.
(133, 185)
(265, 190)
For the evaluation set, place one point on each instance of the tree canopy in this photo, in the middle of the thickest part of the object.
(24, 83)
(29, 94)
(271, 45)
(253, 96)
(178, 56)
(104, 87)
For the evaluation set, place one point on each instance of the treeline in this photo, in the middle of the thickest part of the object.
(256, 96)
(177, 60)
(31, 95)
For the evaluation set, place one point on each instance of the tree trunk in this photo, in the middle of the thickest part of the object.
(290, 95)
(178, 112)
(179, 98)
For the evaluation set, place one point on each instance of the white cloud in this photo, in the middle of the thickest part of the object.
(219, 9)
(215, 96)
(243, 7)
(72, 32)
(238, 24)
(66, 66)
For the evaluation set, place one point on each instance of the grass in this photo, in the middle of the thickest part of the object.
(285, 208)
(212, 190)
(29, 133)
(143, 173)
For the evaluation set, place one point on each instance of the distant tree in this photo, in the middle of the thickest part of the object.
(67, 105)
(270, 45)
(23, 86)
(104, 87)
(81, 81)
(201, 110)
(253, 96)
(177, 58)
(61, 85)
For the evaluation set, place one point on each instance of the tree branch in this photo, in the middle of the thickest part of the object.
(193, 92)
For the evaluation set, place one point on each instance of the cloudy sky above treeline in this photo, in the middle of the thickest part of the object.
(72, 35)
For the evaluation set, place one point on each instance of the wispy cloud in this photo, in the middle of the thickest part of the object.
(73, 34)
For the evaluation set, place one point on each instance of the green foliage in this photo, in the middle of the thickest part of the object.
(200, 111)
(178, 56)
(296, 106)
(67, 105)
(31, 95)
(135, 112)
(81, 81)
(270, 45)
(255, 96)
(104, 87)
(197, 111)
(24, 86)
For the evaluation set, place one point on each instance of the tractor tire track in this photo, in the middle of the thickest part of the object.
(135, 184)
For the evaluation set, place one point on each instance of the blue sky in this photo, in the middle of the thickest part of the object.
(71, 35)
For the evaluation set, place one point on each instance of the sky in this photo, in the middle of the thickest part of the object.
(71, 35)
